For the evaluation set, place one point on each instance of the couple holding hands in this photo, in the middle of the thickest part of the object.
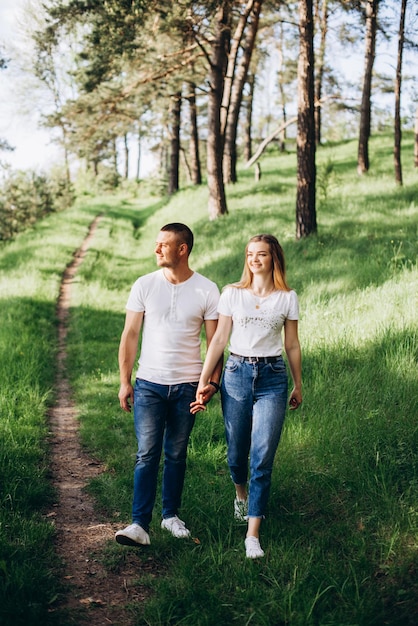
(170, 306)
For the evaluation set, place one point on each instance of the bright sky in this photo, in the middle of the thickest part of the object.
(33, 149)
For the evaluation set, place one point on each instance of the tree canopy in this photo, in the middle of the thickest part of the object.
(230, 65)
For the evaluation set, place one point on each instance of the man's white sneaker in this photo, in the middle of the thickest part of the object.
(253, 549)
(133, 535)
(176, 527)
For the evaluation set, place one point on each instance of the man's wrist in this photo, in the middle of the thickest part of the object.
(216, 385)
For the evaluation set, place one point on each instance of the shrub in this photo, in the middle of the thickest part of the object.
(26, 197)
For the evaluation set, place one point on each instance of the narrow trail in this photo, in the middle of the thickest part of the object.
(95, 595)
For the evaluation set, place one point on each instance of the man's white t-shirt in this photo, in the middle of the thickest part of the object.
(257, 323)
(173, 318)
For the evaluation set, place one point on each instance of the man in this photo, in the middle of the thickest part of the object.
(170, 305)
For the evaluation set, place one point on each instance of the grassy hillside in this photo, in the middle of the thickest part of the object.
(341, 531)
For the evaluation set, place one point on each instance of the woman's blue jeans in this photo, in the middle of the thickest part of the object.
(254, 399)
(162, 420)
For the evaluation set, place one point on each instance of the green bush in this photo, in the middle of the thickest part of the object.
(26, 197)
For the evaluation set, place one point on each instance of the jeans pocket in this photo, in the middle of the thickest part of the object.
(231, 365)
(278, 367)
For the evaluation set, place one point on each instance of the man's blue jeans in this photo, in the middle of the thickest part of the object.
(254, 399)
(162, 420)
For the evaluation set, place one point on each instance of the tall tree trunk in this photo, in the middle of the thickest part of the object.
(66, 155)
(365, 114)
(175, 113)
(115, 156)
(282, 90)
(232, 61)
(194, 155)
(398, 81)
(163, 167)
(186, 164)
(126, 149)
(306, 175)
(416, 139)
(218, 60)
(138, 160)
(230, 142)
(248, 141)
(283, 134)
(321, 19)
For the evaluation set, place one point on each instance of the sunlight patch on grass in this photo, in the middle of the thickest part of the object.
(359, 316)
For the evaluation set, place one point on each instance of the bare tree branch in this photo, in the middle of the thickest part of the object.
(263, 145)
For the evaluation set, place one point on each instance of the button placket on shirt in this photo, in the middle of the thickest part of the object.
(173, 303)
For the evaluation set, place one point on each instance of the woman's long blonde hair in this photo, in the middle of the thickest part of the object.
(278, 264)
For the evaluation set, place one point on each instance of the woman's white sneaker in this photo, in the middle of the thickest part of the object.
(253, 549)
(241, 510)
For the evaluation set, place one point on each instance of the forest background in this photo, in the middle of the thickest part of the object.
(340, 191)
(199, 85)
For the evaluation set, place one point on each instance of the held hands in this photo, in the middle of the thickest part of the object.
(203, 394)
(126, 397)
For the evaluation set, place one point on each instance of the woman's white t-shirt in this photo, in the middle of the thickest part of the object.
(257, 322)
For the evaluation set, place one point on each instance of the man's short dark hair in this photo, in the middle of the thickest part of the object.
(183, 232)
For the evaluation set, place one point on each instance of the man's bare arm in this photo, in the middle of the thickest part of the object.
(128, 348)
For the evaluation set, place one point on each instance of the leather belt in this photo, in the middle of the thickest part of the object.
(257, 359)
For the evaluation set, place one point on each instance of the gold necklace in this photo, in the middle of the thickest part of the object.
(258, 302)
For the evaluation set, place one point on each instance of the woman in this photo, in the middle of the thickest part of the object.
(254, 387)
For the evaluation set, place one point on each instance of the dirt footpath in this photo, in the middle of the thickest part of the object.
(96, 596)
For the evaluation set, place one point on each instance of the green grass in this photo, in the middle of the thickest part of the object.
(341, 531)
(30, 274)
